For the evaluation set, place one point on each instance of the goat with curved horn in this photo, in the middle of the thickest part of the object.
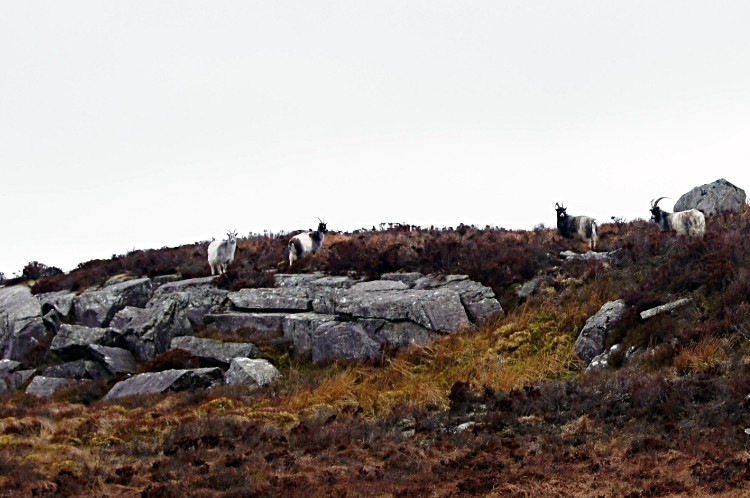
(691, 222)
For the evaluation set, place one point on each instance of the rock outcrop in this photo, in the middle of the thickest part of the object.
(72, 342)
(215, 353)
(591, 340)
(713, 198)
(168, 380)
(45, 387)
(21, 323)
(342, 340)
(97, 306)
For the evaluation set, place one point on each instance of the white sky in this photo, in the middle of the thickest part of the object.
(147, 124)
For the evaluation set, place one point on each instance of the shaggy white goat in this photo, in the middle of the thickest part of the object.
(221, 253)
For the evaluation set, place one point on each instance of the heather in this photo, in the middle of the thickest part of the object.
(503, 408)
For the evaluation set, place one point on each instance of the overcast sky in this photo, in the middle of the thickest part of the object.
(147, 124)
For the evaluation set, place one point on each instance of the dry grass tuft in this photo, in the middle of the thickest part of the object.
(705, 353)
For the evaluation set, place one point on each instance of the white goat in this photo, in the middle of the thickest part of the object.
(691, 222)
(221, 253)
(306, 243)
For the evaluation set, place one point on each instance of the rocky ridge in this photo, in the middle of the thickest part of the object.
(104, 331)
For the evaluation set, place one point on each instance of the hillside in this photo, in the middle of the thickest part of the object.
(502, 407)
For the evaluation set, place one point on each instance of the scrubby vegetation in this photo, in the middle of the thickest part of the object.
(501, 409)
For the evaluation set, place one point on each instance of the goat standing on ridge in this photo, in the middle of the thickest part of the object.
(576, 227)
(221, 253)
(691, 222)
(306, 243)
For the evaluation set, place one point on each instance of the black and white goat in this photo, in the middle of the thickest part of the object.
(307, 242)
(221, 253)
(576, 227)
(691, 222)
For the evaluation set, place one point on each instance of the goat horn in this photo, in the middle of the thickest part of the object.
(655, 204)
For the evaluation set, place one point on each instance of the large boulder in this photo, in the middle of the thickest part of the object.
(713, 198)
(401, 333)
(251, 372)
(96, 307)
(12, 381)
(439, 310)
(168, 380)
(299, 329)
(123, 317)
(8, 366)
(79, 369)
(149, 333)
(45, 387)
(279, 299)
(116, 360)
(593, 336)
(61, 302)
(343, 341)
(21, 324)
(72, 342)
(215, 353)
(262, 322)
(203, 296)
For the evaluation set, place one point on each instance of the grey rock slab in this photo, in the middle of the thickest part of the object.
(97, 306)
(664, 308)
(215, 352)
(278, 299)
(12, 381)
(409, 279)
(263, 322)
(25, 335)
(333, 282)
(379, 285)
(8, 366)
(439, 309)
(165, 279)
(168, 380)
(401, 333)
(61, 302)
(479, 300)
(72, 341)
(589, 255)
(299, 327)
(21, 324)
(528, 288)
(251, 372)
(713, 198)
(45, 387)
(150, 332)
(123, 317)
(184, 285)
(116, 360)
(295, 279)
(590, 342)
(70, 370)
(52, 321)
(435, 281)
(343, 341)
(202, 295)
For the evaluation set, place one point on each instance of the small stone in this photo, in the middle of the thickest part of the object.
(251, 372)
